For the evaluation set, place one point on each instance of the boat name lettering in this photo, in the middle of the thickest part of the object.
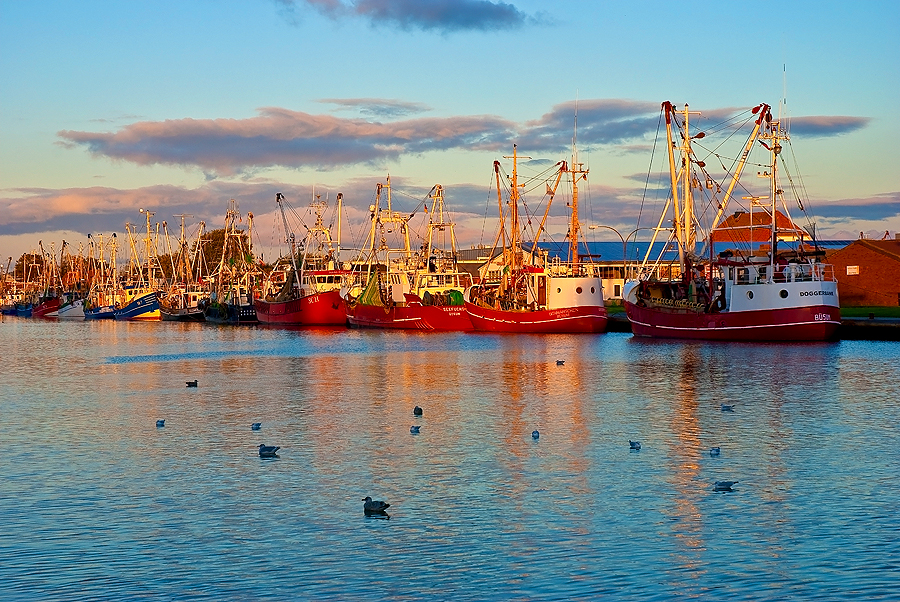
(823, 317)
(816, 293)
(676, 302)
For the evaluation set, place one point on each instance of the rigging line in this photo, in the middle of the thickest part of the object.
(649, 169)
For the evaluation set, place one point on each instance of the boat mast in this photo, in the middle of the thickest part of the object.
(340, 205)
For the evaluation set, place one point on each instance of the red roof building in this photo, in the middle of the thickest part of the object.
(868, 273)
(740, 228)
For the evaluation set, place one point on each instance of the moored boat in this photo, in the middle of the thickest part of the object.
(409, 291)
(311, 292)
(751, 292)
(535, 294)
(231, 299)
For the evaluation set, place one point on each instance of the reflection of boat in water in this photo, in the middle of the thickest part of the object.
(231, 300)
(409, 291)
(536, 294)
(753, 291)
(314, 297)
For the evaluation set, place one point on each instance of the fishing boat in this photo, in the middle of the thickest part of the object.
(46, 305)
(105, 292)
(231, 297)
(779, 290)
(181, 301)
(310, 292)
(535, 294)
(422, 291)
(140, 302)
(72, 307)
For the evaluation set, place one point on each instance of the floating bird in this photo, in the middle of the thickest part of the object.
(560, 362)
(255, 426)
(414, 430)
(535, 434)
(268, 451)
(417, 411)
(160, 424)
(374, 505)
(635, 445)
(714, 451)
(191, 383)
(723, 485)
(727, 408)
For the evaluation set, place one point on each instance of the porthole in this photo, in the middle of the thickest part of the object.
(559, 290)
(749, 294)
(783, 294)
(592, 290)
(578, 290)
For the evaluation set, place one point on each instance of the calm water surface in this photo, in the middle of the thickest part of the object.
(97, 503)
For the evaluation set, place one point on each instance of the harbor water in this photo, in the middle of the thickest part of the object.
(100, 504)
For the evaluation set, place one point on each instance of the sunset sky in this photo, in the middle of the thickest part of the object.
(179, 106)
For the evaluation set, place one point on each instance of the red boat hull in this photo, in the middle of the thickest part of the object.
(586, 319)
(321, 309)
(813, 323)
(413, 316)
(48, 306)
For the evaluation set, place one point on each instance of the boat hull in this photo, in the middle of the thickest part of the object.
(413, 316)
(187, 314)
(104, 312)
(582, 319)
(320, 309)
(72, 311)
(142, 308)
(47, 308)
(218, 313)
(809, 323)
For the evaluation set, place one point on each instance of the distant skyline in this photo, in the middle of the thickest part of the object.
(176, 107)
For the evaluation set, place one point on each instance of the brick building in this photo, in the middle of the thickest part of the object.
(868, 273)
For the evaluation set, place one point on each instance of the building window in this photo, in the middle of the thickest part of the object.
(618, 291)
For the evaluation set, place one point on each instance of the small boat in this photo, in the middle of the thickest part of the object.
(409, 291)
(72, 307)
(140, 302)
(180, 302)
(535, 294)
(769, 285)
(313, 298)
(231, 300)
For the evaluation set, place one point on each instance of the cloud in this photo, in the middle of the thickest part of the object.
(428, 15)
(600, 121)
(379, 107)
(823, 126)
(279, 137)
(293, 139)
(879, 207)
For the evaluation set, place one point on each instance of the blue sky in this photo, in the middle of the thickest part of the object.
(178, 106)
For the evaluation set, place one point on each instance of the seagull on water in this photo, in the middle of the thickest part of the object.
(535, 434)
(255, 426)
(414, 429)
(268, 451)
(417, 411)
(191, 383)
(160, 424)
(723, 485)
(374, 505)
(727, 407)
(714, 451)
(635, 445)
